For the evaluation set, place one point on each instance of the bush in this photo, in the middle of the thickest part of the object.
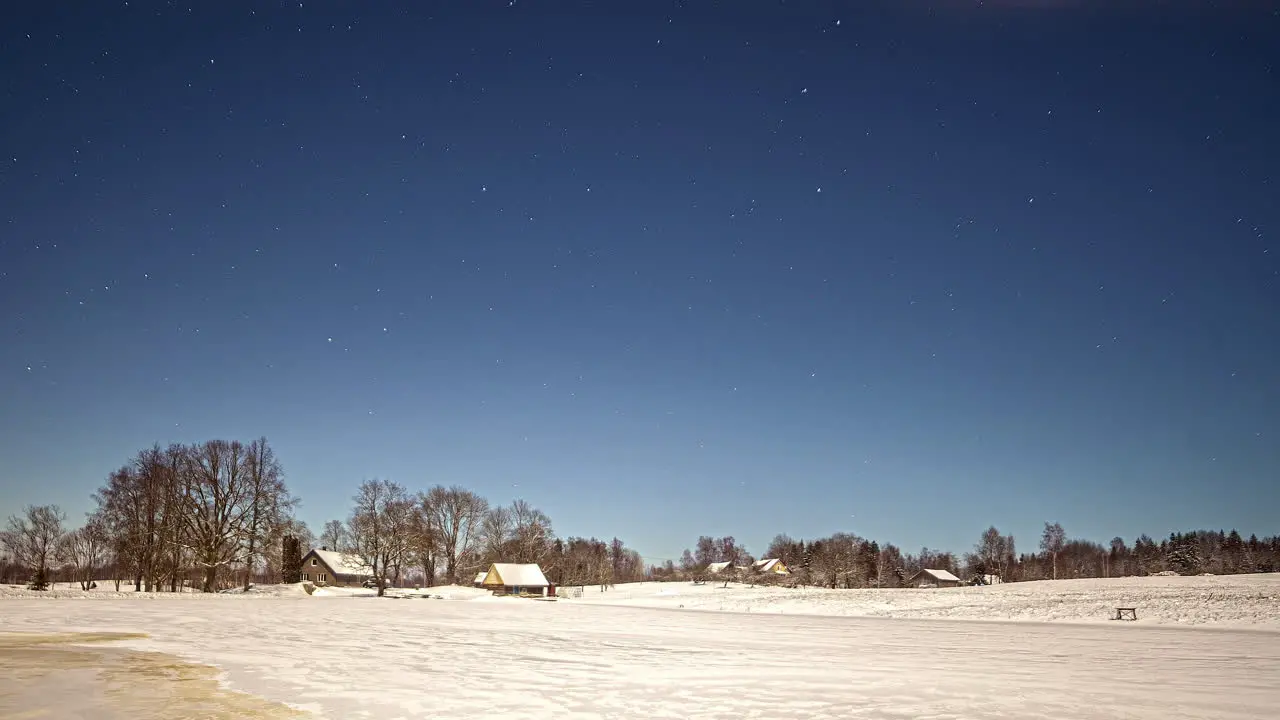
(39, 581)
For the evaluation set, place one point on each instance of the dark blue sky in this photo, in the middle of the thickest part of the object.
(662, 269)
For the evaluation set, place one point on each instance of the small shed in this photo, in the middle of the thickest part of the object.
(934, 578)
(718, 567)
(479, 581)
(515, 579)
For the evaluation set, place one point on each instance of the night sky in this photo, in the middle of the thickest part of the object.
(662, 269)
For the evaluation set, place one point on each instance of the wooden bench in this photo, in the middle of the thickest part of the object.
(1123, 613)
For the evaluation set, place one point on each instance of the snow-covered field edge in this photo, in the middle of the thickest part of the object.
(1235, 601)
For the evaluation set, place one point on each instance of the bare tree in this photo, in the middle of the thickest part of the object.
(455, 516)
(423, 542)
(268, 500)
(706, 551)
(217, 500)
(86, 550)
(169, 468)
(585, 561)
(628, 565)
(834, 559)
(32, 539)
(531, 532)
(495, 534)
(334, 535)
(375, 521)
(137, 504)
(400, 529)
(891, 566)
(1052, 542)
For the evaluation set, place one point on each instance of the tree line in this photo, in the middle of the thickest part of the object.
(193, 515)
(216, 514)
(452, 533)
(845, 560)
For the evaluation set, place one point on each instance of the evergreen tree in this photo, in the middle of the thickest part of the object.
(1233, 553)
(291, 560)
(873, 563)
(1183, 553)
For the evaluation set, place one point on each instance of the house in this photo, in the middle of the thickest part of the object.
(479, 581)
(719, 567)
(772, 566)
(325, 567)
(933, 578)
(515, 579)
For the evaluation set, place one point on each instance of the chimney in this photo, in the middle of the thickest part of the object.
(324, 547)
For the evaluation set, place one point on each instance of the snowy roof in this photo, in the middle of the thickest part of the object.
(940, 575)
(769, 565)
(342, 563)
(480, 576)
(718, 567)
(516, 575)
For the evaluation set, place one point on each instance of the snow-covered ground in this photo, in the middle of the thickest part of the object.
(348, 655)
(1251, 601)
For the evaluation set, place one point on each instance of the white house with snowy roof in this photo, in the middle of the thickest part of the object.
(933, 578)
(323, 566)
(716, 568)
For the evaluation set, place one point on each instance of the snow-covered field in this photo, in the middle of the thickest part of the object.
(348, 655)
(1251, 601)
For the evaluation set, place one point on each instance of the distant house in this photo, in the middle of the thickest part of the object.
(771, 566)
(933, 578)
(325, 567)
(719, 567)
(479, 581)
(515, 579)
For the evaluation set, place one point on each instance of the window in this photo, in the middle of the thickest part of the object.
(313, 562)
(321, 577)
(306, 576)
